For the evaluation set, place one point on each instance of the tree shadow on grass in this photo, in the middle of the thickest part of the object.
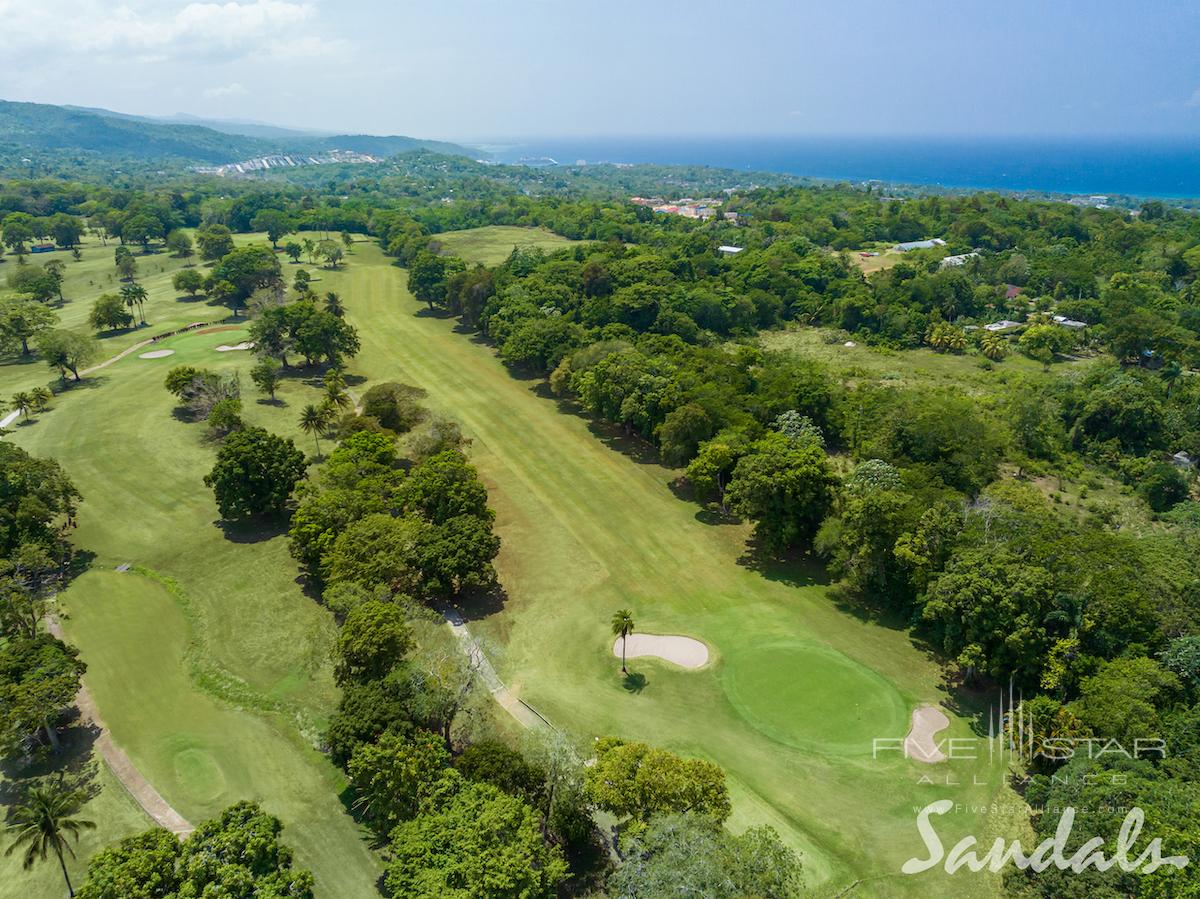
(75, 766)
(634, 682)
(253, 530)
(480, 602)
(795, 568)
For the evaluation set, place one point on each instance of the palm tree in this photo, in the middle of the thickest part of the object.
(336, 396)
(334, 305)
(135, 295)
(622, 626)
(41, 397)
(314, 420)
(994, 346)
(1171, 372)
(22, 402)
(43, 822)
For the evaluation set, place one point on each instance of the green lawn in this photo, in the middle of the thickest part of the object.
(795, 693)
(492, 244)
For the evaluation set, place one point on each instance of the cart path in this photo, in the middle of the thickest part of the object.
(120, 764)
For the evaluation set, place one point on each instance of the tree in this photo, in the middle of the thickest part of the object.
(66, 351)
(35, 283)
(37, 502)
(135, 295)
(622, 626)
(1044, 342)
(314, 420)
(22, 402)
(43, 822)
(142, 228)
(492, 762)
(690, 855)
(1121, 701)
(108, 313)
(248, 269)
(336, 397)
(331, 252)
(189, 281)
(21, 320)
(395, 775)
(785, 487)
(481, 842)
(255, 473)
(348, 241)
(265, 376)
(275, 222)
(364, 713)
(455, 554)
(39, 677)
(125, 263)
(179, 244)
(376, 549)
(395, 406)
(215, 242)
(444, 487)
(18, 231)
(142, 866)
(637, 781)
(1163, 485)
(427, 275)
(334, 304)
(293, 251)
(238, 854)
(373, 640)
(993, 346)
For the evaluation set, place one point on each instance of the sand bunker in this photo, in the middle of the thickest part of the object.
(681, 650)
(244, 345)
(920, 744)
(156, 354)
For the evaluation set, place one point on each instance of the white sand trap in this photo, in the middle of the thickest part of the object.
(244, 345)
(156, 354)
(920, 744)
(681, 650)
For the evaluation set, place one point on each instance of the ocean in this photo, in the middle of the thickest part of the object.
(1140, 167)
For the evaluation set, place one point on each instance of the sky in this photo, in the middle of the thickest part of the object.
(513, 69)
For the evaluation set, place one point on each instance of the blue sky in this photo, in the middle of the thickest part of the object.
(465, 69)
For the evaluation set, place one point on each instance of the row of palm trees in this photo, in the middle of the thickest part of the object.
(30, 401)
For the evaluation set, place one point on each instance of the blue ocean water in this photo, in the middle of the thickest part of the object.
(1143, 167)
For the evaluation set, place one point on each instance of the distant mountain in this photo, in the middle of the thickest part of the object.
(26, 127)
(244, 127)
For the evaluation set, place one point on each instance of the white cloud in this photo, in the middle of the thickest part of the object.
(150, 32)
(229, 90)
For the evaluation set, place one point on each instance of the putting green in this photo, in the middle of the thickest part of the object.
(809, 697)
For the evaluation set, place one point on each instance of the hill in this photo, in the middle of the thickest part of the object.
(26, 127)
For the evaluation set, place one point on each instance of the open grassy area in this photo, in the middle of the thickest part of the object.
(491, 245)
(796, 691)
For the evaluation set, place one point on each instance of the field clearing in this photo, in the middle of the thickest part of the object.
(886, 259)
(923, 367)
(492, 244)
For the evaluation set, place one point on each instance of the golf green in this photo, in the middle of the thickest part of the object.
(809, 697)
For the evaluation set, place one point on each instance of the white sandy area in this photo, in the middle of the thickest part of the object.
(244, 345)
(156, 354)
(682, 651)
(920, 744)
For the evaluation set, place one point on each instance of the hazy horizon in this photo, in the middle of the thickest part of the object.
(478, 72)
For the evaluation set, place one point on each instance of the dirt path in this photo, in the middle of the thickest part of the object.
(119, 763)
(524, 713)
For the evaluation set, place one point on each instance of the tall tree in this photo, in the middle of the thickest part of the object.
(43, 822)
(622, 626)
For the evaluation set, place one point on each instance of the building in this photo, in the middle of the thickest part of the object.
(1012, 292)
(1183, 459)
(919, 245)
(960, 259)
(1069, 323)
(727, 250)
(1002, 325)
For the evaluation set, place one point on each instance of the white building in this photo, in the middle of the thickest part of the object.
(919, 245)
(727, 250)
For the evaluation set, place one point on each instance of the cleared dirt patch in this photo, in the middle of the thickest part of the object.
(683, 651)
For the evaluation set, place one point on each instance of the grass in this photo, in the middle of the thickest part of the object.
(796, 690)
(217, 686)
(492, 244)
